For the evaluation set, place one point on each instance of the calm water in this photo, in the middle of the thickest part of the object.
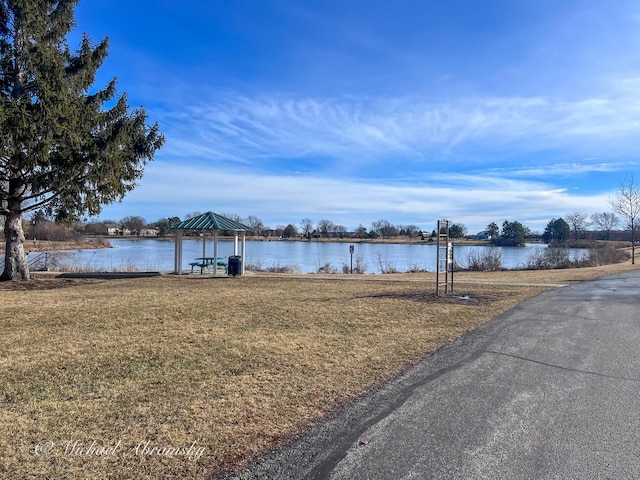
(158, 254)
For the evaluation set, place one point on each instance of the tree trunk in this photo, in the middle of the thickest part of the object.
(16, 266)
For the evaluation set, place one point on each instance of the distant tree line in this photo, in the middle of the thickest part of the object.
(573, 226)
(307, 228)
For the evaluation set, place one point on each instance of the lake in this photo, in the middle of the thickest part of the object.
(158, 255)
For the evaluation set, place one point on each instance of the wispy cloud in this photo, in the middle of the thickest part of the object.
(282, 199)
(588, 165)
(365, 130)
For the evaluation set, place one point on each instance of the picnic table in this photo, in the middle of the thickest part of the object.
(209, 263)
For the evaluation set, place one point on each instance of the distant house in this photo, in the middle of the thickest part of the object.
(149, 232)
(114, 229)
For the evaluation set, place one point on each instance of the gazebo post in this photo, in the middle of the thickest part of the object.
(204, 244)
(235, 242)
(244, 245)
(215, 252)
(177, 265)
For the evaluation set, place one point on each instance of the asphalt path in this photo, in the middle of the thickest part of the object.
(548, 390)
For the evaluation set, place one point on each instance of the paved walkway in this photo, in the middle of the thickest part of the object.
(549, 390)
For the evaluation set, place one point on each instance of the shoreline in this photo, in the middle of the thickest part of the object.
(90, 243)
(99, 242)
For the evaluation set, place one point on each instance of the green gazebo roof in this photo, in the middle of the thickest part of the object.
(211, 221)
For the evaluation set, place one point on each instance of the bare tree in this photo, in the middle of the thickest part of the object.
(133, 223)
(411, 231)
(340, 231)
(384, 228)
(626, 203)
(255, 223)
(577, 221)
(306, 225)
(605, 222)
(324, 227)
(233, 216)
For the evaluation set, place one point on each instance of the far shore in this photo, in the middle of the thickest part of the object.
(50, 245)
(259, 238)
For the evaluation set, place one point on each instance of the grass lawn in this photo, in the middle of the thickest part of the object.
(180, 377)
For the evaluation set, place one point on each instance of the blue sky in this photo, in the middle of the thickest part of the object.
(355, 111)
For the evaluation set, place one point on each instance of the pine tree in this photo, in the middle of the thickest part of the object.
(61, 148)
(513, 234)
(556, 231)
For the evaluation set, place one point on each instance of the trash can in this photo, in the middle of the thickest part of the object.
(235, 265)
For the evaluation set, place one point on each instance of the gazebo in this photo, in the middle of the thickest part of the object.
(210, 222)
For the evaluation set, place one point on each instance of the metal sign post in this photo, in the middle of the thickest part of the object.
(351, 250)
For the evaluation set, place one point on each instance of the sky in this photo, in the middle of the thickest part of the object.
(354, 111)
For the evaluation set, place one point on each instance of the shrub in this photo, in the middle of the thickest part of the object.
(254, 266)
(257, 266)
(604, 255)
(283, 269)
(385, 265)
(56, 262)
(99, 242)
(558, 257)
(359, 266)
(485, 261)
(326, 268)
(415, 268)
(543, 258)
(553, 256)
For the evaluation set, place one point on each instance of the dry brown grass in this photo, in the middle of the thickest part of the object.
(229, 366)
